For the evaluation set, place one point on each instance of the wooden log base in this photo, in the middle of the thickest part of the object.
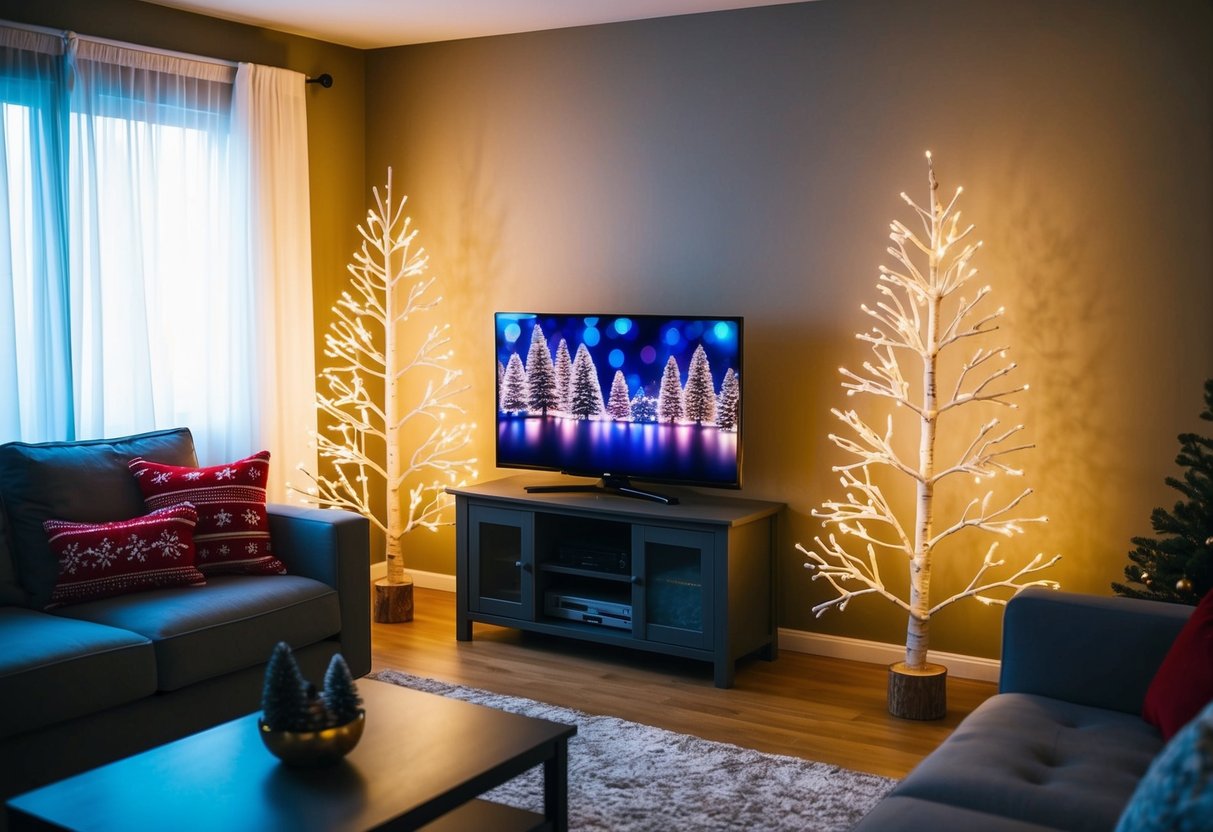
(918, 693)
(393, 602)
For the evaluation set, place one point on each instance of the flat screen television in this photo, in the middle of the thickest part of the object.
(621, 397)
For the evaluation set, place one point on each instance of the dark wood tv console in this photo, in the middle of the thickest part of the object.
(694, 579)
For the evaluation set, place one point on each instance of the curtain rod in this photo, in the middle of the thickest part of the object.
(325, 80)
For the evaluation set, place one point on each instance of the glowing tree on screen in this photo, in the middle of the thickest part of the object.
(728, 405)
(365, 396)
(564, 377)
(923, 315)
(540, 375)
(586, 393)
(669, 396)
(618, 404)
(513, 386)
(699, 397)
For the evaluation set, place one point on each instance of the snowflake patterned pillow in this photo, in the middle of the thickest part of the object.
(233, 532)
(98, 560)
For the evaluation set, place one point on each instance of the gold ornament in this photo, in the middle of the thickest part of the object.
(1146, 579)
(1183, 585)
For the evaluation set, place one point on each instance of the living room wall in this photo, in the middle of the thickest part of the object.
(748, 163)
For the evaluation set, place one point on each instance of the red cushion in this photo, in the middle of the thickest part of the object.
(97, 560)
(1184, 683)
(233, 532)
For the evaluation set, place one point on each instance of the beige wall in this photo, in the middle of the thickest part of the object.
(749, 163)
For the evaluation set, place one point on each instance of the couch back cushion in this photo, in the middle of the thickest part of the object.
(85, 482)
(10, 590)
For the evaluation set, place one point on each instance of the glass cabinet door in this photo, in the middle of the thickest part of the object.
(673, 598)
(502, 555)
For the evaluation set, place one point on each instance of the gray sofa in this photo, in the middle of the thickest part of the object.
(1063, 744)
(88, 683)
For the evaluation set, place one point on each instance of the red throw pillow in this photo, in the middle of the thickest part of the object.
(1184, 682)
(233, 533)
(97, 560)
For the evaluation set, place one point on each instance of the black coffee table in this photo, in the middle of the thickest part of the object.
(423, 759)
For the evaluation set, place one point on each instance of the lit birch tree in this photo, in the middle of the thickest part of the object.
(923, 315)
(366, 342)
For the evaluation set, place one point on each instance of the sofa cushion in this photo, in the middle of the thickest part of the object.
(911, 814)
(87, 482)
(53, 669)
(1184, 682)
(233, 533)
(10, 589)
(1176, 795)
(97, 560)
(1039, 760)
(231, 623)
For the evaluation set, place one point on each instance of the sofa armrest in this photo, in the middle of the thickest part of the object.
(333, 547)
(1087, 649)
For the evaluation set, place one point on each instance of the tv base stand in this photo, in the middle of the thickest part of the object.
(609, 485)
(694, 578)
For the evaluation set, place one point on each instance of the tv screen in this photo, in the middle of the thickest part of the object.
(621, 396)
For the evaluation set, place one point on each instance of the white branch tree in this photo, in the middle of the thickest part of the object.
(421, 447)
(923, 315)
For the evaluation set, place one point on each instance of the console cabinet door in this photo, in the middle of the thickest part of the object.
(501, 567)
(672, 600)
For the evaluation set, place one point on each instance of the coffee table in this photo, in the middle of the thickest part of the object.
(423, 759)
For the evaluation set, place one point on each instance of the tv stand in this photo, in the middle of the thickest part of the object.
(609, 485)
(694, 579)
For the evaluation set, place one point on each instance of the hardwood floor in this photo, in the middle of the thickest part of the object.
(813, 707)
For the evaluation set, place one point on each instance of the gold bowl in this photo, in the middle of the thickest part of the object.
(313, 748)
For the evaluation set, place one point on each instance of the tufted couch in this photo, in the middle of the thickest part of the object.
(88, 683)
(1063, 744)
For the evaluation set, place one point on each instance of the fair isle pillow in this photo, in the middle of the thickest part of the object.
(233, 532)
(98, 560)
(1176, 793)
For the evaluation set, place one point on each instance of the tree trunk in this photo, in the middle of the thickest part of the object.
(918, 693)
(393, 601)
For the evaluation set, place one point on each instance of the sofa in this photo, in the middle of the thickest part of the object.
(1063, 743)
(86, 683)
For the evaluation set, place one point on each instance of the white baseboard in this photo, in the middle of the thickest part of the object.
(876, 652)
(425, 580)
(796, 641)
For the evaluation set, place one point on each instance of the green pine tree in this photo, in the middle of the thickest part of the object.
(1178, 565)
(284, 696)
(340, 695)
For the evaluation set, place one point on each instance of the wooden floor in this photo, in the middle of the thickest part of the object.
(817, 708)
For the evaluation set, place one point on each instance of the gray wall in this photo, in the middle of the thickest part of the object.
(749, 163)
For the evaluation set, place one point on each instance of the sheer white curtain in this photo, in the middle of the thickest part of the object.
(269, 116)
(179, 191)
(163, 308)
(35, 351)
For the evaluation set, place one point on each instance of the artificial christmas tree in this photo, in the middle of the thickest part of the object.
(341, 698)
(377, 433)
(1178, 565)
(923, 316)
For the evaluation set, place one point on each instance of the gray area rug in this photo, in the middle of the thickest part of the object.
(627, 777)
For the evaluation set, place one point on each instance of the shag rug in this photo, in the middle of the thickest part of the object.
(624, 776)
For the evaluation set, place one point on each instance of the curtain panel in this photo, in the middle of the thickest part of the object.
(151, 258)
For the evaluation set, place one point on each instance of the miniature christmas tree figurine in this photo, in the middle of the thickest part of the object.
(284, 696)
(341, 697)
(1178, 565)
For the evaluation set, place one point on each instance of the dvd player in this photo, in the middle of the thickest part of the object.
(588, 610)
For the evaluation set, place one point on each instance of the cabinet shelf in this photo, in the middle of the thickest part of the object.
(701, 582)
(561, 569)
